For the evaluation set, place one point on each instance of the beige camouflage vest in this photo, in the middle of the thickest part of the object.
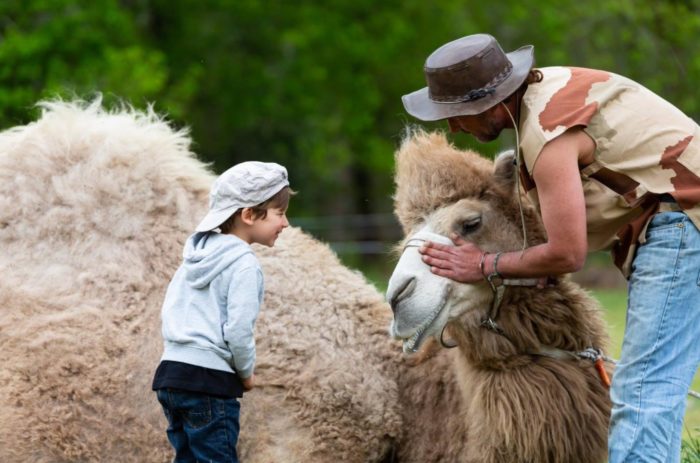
(644, 147)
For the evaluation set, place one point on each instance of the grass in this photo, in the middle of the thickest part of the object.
(690, 451)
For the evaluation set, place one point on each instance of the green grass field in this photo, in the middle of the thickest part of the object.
(614, 302)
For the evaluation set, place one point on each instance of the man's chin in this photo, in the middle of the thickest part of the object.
(486, 138)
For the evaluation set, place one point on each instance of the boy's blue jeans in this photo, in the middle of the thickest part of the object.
(661, 347)
(201, 428)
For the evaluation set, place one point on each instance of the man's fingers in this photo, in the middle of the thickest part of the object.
(437, 262)
(433, 245)
(443, 272)
(437, 253)
(453, 262)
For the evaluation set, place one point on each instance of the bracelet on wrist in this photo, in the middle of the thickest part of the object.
(482, 261)
(495, 264)
(495, 279)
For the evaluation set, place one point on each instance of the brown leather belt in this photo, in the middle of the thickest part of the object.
(669, 207)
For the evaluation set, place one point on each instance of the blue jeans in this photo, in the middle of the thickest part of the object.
(660, 350)
(201, 428)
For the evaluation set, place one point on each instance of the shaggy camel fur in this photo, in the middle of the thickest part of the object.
(94, 209)
(522, 403)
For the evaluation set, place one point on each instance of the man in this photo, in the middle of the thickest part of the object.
(610, 165)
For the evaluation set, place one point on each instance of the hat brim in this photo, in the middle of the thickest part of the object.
(215, 218)
(419, 105)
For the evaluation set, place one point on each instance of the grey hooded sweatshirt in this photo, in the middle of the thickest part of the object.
(212, 303)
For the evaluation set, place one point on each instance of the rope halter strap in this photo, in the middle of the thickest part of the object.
(419, 238)
(592, 354)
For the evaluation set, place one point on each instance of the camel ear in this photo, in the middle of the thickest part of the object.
(504, 169)
(431, 173)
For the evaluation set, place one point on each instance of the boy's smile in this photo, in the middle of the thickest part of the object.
(266, 230)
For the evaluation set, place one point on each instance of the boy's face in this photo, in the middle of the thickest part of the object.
(266, 230)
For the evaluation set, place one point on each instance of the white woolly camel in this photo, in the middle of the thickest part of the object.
(529, 395)
(94, 210)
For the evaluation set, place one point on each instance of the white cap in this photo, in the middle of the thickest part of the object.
(244, 185)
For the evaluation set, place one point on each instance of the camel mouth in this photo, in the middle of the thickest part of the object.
(413, 343)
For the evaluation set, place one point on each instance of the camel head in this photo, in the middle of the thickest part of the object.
(441, 190)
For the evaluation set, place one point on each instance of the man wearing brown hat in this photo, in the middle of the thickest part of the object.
(610, 165)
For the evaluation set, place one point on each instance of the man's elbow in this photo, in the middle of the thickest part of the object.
(568, 260)
(572, 261)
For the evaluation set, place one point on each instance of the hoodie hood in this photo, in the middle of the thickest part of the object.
(207, 254)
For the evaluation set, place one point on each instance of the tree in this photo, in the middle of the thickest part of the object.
(316, 85)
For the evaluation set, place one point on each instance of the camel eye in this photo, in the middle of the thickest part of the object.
(469, 225)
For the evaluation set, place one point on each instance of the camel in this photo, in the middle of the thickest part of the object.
(95, 206)
(528, 360)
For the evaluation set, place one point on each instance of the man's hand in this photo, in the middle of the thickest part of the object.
(248, 383)
(459, 262)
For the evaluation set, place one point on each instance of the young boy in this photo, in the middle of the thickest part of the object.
(210, 310)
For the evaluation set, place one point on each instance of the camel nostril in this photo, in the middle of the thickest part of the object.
(402, 292)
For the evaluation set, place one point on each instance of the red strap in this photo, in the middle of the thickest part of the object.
(600, 366)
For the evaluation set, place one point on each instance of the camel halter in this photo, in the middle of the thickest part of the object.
(592, 354)
(497, 285)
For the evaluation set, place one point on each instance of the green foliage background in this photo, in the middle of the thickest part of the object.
(315, 85)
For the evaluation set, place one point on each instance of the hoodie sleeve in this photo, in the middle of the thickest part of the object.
(244, 298)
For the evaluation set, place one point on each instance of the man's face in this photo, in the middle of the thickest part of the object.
(484, 127)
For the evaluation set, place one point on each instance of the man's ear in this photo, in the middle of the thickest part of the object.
(247, 215)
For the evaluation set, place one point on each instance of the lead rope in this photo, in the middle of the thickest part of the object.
(517, 175)
(593, 355)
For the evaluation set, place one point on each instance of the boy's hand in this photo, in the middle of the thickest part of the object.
(248, 383)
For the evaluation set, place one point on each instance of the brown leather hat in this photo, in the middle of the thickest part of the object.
(468, 76)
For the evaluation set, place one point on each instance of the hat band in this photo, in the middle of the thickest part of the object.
(477, 93)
